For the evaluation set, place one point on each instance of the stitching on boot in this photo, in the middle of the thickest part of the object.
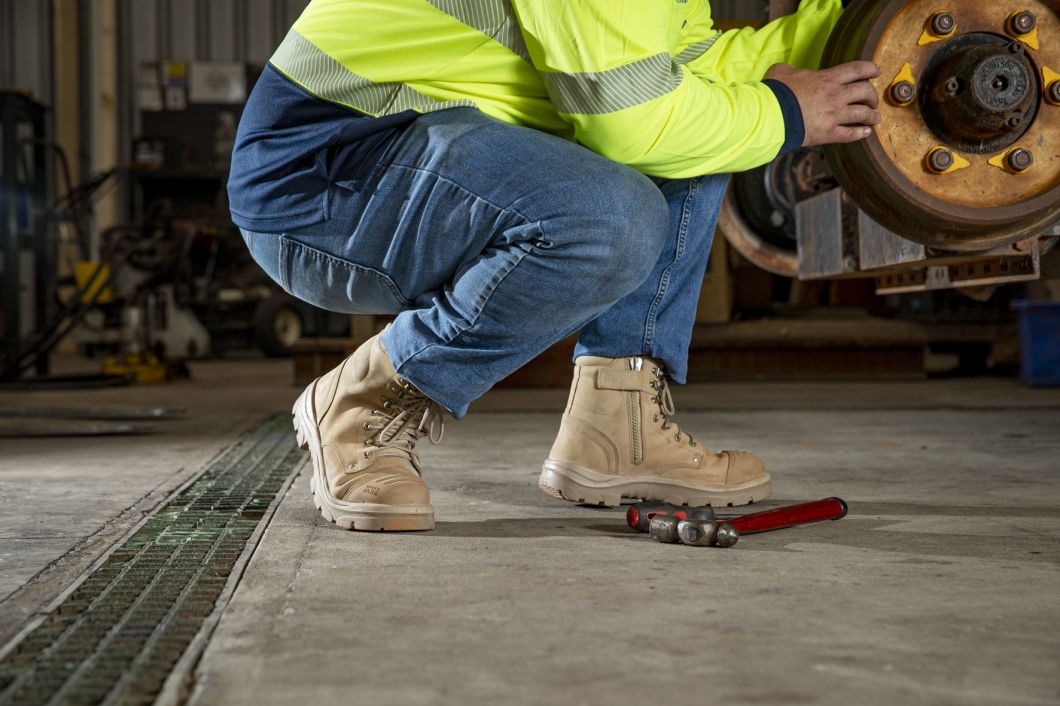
(327, 445)
(332, 386)
(586, 433)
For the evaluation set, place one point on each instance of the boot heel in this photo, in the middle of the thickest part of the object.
(299, 434)
(559, 483)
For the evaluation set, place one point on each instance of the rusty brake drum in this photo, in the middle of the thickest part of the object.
(967, 156)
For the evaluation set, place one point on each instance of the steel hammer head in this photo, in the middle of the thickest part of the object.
(707, 534)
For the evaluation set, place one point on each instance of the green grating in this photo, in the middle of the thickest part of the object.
(116, 638)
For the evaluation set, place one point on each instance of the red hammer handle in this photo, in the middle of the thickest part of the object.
(816, 511)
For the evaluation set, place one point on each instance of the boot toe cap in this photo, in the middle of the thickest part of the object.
(389, 489)
(744, 467)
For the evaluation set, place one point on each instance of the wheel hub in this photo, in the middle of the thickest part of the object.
(979, 93)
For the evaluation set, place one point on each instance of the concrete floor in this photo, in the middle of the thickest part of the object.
(940, 587)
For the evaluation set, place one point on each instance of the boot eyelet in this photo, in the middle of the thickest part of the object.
(677, 437)
(368, 454)
(386, 403)
(368, 442)
(367, 426)
(655, 417)
(693, 443)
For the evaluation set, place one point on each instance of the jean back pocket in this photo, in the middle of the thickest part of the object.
(335, 284)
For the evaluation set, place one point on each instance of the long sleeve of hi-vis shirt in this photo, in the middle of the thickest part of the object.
(746, 54)
(615, 72)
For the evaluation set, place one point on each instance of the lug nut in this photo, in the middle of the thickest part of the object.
(903, 93)
(1022, 23)
(943, 24)
(1053, 92)
(1019, 159)
(939, 160)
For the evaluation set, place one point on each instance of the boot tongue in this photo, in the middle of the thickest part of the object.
(665, 401)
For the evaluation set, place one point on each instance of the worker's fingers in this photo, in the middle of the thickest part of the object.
(861, 92)
(843, 133)
(860, 115)
(854, 71)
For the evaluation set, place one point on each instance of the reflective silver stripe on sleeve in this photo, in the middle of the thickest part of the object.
(494, 18)
(305, 64)
(592, 93)
(694, 51)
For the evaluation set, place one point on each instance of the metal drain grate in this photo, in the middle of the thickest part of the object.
(118, 635)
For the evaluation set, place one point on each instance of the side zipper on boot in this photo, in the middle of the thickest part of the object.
(633, 400)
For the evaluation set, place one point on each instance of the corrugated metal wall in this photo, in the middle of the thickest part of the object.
(26, 47)
(207, 30)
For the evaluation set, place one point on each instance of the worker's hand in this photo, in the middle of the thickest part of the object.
(838, 104)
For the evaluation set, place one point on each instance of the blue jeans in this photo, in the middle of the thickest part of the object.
(491, 242)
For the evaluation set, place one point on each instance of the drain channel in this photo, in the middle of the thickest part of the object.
(118, 635)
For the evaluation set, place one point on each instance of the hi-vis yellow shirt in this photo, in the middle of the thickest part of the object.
(647, 83)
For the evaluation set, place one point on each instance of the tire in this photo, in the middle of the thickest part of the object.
(277, 325)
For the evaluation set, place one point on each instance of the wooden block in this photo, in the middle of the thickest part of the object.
(793, 349)
(715, 295)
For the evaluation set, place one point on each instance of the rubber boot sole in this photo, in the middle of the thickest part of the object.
(569, 481)
(364, 517)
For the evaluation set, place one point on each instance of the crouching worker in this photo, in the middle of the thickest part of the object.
(501, 174)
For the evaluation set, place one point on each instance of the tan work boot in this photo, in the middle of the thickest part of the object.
(616, 441)
(360, 422)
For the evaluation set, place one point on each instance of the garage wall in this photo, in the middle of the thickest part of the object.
(738, 9)
(26, 47)
(207, 30)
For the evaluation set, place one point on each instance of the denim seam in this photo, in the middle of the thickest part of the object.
(287, 245)
(285, 264)
(474, 318)
(286, 214)
(664, 280)
(442, 177)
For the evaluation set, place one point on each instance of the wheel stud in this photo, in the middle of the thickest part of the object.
(952, 86)
(1053, 92)
(1022, 23)
(903, 93)
(939, 160)
(943, 24)
(1019, 159)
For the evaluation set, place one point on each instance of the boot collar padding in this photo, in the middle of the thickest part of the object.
(629, 380)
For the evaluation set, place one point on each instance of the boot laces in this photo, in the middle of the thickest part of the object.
(665, 400)
(403, 420)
